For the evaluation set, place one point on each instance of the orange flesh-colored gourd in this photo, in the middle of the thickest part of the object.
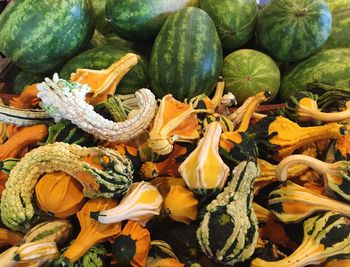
(3, 179)
(27, 99)
(104, 82)
(92, 231)
(8, 237)
(143, 242)
(59, 194)
(24, 137)
(166, 262)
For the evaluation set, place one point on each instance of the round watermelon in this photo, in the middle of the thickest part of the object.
(187, 55)
(101, 23)
(141, 20)
(235, 20)
(292, 30)
(329, 66)
(40, 36)
(247, 72)
(102, 58)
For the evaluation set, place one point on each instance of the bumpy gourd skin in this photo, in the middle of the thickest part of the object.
(228, 233)
(111, 177)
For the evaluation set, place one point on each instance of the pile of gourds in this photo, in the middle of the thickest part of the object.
(92, 178)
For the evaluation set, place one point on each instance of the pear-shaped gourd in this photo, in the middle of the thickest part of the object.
(59, 194)
(204, 171)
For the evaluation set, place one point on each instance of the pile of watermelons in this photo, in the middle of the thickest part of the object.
(185, 45)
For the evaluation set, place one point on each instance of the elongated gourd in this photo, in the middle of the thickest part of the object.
(8, 237)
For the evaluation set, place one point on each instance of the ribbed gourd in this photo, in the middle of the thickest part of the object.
(59, 194)
(326, 236)
(228, 232)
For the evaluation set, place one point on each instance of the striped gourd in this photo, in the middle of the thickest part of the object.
(187, 55)
(41, 35)
(291, 30)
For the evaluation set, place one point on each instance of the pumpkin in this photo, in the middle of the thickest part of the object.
(92, 232)
(181, 204)
(59, 194)
(132, 245)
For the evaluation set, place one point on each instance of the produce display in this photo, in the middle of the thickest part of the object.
(163, 133)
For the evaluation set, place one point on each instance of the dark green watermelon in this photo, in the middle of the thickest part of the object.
(23, 79)
(329, 66)
(291, 30)
(247, 72)
(141, 20)
(39, 35)
(187, 56)
(102, 58)
(99, 13)
(235, 20)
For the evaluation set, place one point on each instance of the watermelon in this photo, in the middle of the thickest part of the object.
(329, 66)
(340, 36)
(247, 72)
(102, 58)
(101, 23)
(23, 79)
(40, 36)
(141, 20)
(235, 20)
(187, 56)
(291, 30)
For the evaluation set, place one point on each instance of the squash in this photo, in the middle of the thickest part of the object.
(180, 204)
(3, 129)
(142, 202)
(28, 99)
(8, 237)
(104, 82)
(336, 175)
(91, 231)
(228, 232)
(24, 137)
(292, 203)
(325, 236)
(59, 194)
(132, 245)
(174, 122)
(167, 262)
(203, 170)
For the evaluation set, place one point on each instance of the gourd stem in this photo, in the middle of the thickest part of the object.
(318, 165)
(116, 109)
(325, 116)
(218, 93)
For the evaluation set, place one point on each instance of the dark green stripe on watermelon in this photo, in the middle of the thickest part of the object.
(102, 58)
(187, 56)
(39, 36)
(330, 66)
(291, 30)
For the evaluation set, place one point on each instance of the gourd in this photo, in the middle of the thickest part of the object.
(263, 215)
(3, 129)
(167, 262)
(336, 176)
(228, 232)
(64, 100)
(8, 237)
(91, 232)
(203, 171)
(142, 202)
(278, 137)
(132, 245)
(325, 236)
(23, 138)
(58, 231)
(59, 194)
(101, 171)
(181, 204)
(292, 203)
(27, 99)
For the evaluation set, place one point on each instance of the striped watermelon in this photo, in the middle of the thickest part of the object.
(329, 66)
(247, 72)
(23, 79)
(291, 30)
(141, 20)
(41, 35)
(235, 20)
(102, 58)
(101, 23)
(187, 56)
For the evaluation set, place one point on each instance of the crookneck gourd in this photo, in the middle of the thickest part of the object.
(292, 203)
(228, 232)
(59, 194)
(142, 202)
(66, 100)
(101, 171)
(203, 170)
(278, 137)
(336, 175)
(325, 236)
